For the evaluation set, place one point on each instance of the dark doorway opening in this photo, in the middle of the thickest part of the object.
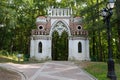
(60, 46)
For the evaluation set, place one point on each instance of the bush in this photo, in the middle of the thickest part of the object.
(93, 58)
(26, 57)
(4, 52)
(12, 56)
(117, 61)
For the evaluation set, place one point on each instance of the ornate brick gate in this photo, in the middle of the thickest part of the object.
(59, 20)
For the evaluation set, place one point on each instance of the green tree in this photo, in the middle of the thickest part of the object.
(118, 27)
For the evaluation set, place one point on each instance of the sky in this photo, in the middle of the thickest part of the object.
(58, 0)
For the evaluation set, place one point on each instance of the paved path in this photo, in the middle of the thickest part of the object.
(54, 70)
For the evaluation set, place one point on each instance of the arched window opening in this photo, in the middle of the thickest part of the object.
(40, 47)
(79, 47)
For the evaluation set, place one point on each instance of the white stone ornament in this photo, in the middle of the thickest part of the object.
(60, 27)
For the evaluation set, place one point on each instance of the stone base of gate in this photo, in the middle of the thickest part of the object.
(33, 59)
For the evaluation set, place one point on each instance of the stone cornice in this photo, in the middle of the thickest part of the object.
(78, 38)
(40, 37)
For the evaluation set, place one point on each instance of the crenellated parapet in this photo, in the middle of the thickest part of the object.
(39, 32)
(80, 33)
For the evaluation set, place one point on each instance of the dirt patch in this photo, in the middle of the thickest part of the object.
(82, 64)
(8, 75)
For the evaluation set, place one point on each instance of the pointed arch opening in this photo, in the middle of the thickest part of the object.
(79, 47)
(60, 46)
(40, 47)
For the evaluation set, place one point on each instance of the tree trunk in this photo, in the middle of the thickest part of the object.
(93, 33)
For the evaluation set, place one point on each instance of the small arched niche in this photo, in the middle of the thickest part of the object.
(40, 47)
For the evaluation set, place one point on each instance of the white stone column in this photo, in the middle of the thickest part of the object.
(71, 11)
(54, 12)
(50, 48)
(35, 48)
(32, 54)
(83, 49)
(61, 12)
(87, 50)
(50, 12)
(70, 47)
(58, 12)
(68, 12)
(65, 12)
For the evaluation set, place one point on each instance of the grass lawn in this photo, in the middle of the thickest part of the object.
(99, 69)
